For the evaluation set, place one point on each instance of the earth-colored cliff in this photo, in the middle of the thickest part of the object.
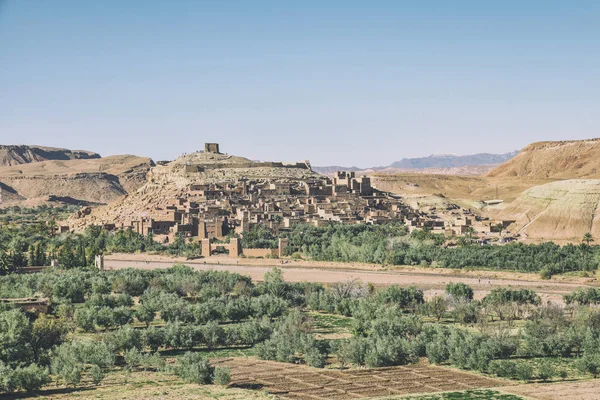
(561, 210)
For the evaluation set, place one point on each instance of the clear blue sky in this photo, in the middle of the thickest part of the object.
(337, 82)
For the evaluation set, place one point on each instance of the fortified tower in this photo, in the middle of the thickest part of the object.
(211, 148)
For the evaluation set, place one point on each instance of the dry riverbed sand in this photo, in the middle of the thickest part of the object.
(432, 280)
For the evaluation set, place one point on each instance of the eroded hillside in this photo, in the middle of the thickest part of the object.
(561, 210)
(23, 154)
(571, 159)
(95, 180)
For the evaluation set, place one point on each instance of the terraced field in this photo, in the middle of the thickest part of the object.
(298, 382)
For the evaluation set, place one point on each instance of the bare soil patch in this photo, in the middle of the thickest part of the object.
(583, 390)
(432, 281)
(291, 381)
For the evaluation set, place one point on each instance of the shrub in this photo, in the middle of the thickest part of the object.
(563, 373)
(314, 354)
(67, 366)
(222, 376)
(524, 371)
(387, 351)
(589, 363)
(503, 368)
(459, 291)
(133, 358)
(213, 335)
(193, 368)
(69, 359)
(26, 379)
(546, 370)
(402, 297)
(86, 319)
(96, 374)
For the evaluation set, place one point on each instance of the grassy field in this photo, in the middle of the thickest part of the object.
(331, 326)
(143, 386)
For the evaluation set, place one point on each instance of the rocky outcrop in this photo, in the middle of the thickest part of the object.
(208, 168)
(172, 180)
(22, 154)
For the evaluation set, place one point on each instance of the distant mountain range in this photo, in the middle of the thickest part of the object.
(436, 161)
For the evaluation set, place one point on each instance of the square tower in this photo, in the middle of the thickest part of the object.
(211, 148)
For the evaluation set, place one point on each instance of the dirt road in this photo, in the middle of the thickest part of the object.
(433, 283)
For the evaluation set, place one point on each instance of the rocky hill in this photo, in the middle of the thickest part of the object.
(22, 154)
(177, 178)
(93, 180)
(561, 210)
(569, 159)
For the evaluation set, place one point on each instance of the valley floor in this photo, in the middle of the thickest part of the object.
(432, 280)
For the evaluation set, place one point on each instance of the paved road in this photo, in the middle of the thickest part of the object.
(433, 283)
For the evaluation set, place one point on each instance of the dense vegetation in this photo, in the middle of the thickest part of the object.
(34, 243)
(102, 321)
(391, 244)
(105, 321)
(197, 310)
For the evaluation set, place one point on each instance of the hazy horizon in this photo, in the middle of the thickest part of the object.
(339, 83)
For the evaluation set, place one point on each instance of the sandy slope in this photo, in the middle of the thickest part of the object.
(554, 160)
(98, 180)
(563, 210)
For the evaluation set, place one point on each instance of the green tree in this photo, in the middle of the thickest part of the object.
(438, 306)
(66, 255)
(193, 368)
(15, 338)
(459, 291)
(47, 332)
(145, 314)
(589, 363)
(524, 371)
(587, 238)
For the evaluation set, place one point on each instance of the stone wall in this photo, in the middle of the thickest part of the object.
(259, 252)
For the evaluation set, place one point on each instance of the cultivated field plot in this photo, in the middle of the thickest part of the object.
(303, 383)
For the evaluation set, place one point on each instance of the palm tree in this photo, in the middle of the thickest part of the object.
(587, 238)
(470, 232)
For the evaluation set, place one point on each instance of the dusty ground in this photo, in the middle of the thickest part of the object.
(290, 381)
(585, 390)
(433, 281)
